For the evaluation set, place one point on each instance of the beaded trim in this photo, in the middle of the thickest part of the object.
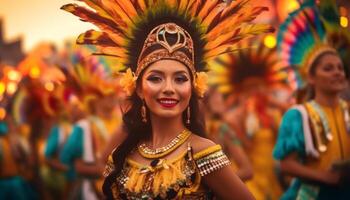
(212, 162)
(160, 152)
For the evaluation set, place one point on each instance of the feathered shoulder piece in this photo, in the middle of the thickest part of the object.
(139, 32)
(306, 34)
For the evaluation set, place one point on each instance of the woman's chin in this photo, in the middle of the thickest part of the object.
(169, 114)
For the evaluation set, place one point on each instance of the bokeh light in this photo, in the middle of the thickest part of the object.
(34, 72)
(49, 86)
(344, 22)
(2, 113)
(270, 41)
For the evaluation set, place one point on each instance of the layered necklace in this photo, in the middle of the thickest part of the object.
(147, 152)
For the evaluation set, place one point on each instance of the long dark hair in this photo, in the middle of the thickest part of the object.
(137, 130)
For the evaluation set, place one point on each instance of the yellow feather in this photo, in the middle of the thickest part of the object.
(183, 5)
(114, 51)
(223, 49)
(222, 27)
(234, 5)
(172, 3)
(223, 38)
(242, 32)
(116, 11)
(94, 35)
(231, 23)
(117, 38)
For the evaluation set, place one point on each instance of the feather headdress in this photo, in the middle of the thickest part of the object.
(90, 77)
(307, 33)
(233, 72)
(202, 30)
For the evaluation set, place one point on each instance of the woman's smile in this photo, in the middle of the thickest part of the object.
(168, 102)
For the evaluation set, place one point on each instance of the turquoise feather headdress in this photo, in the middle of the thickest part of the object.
(308, 32)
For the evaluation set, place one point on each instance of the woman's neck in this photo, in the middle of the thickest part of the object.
(327, 99)
(164, 130)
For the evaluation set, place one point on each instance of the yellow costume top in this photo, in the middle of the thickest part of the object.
(338, 148)
(177, 178)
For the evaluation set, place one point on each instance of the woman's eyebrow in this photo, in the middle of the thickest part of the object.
(156, 71)
(181, 72)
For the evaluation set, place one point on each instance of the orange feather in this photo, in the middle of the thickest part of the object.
(128, 8)
(142, 4)
(207, 7)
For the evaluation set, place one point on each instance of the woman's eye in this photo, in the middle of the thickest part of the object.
(327, 68)
(154, 78)
(181, 79)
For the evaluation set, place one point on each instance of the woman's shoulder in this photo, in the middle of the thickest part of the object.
(199, 143)
(204, 148)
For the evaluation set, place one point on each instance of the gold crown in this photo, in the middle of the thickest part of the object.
(167, 41)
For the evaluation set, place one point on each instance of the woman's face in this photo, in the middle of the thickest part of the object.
(166, 88)
(329, 75)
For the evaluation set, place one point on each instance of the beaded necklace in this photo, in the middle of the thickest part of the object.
(162, 151)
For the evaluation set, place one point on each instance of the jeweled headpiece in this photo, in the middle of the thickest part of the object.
(309, 32)
(167, 41)
(138, 33)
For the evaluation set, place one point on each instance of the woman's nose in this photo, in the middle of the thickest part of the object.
(168, 87)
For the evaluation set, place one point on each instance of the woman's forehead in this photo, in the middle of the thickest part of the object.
(167, 66)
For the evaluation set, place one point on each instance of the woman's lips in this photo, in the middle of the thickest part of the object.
(167, 103)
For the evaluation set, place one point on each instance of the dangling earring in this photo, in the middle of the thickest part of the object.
(143, 112)
(188, 121)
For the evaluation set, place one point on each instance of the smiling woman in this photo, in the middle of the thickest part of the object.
(165, 46)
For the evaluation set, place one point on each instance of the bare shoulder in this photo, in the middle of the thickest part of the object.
(199, 143)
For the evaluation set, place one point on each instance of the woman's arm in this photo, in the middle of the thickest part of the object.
(292, 166)
(226, 185)
(217, 174)
(245, 170)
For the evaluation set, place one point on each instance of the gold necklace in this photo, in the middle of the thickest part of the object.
(162, 151)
